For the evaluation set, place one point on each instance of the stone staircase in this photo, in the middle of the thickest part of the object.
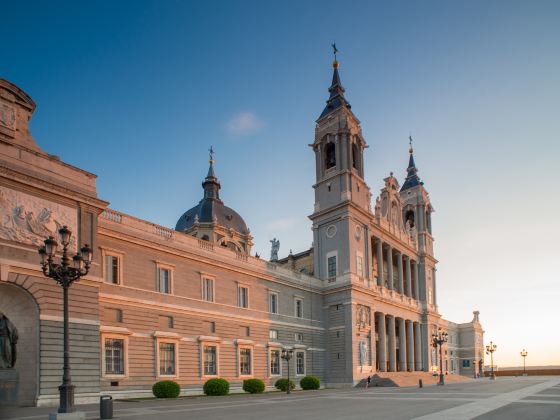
(403, 379)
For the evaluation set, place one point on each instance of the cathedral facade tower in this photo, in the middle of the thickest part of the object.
(342, 197)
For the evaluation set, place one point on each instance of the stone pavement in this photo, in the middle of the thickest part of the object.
(532, 398)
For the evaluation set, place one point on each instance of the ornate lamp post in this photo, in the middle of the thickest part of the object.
(287, 355)
(490, 349)
(66, 272)
(524, 355)
(438, 340)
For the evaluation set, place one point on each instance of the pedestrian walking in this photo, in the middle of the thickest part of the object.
(368, 381)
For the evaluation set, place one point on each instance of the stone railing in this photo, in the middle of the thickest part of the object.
(205, 245)
(112, 216)
(163, 231)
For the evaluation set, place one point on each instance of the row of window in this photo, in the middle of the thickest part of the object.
(165, 321)
(164, 281)
(114, 349)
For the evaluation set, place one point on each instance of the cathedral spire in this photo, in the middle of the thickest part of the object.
(211, 184)
(412, 178)
(336, 91)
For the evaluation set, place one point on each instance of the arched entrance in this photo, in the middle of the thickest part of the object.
(21, 309)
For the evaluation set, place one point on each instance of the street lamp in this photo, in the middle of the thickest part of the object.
(438, 340)
(65, 273)
(490, 349)
(287, 355)
(524, 355)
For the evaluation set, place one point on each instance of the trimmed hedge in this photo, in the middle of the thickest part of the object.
(253, 386)
(310, 382)
(282, 384)
(166, 389)
(216, 386)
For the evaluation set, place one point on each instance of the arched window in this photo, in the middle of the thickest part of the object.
(409, 218)
(355, 156)
(330, 155)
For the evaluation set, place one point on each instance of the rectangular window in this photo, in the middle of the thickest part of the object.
(210, 360)
(248, 331)
(114, 356)
(273, 334)
(331, 264)
(298, 308)
(299, 337)
(164, 280)
(208, 289)
(167, 358)
(466, 363)
(112, 269)
(273, 303)
(360, 265)
(212, 327)
(275, 362)
(245, 361)
(242, 297)
(300, 363)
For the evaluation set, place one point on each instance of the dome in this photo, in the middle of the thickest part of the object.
(208, 211)
(211, 209)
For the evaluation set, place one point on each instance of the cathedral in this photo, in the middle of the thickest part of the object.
(193, 302)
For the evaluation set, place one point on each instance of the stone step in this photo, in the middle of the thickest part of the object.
(402, 379)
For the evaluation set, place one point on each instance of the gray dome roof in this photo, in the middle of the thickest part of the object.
(211, 208)
(209, 211)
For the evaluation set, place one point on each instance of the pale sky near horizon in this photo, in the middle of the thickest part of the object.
(136, 92)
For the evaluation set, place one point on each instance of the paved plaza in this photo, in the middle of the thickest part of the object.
(532, 398)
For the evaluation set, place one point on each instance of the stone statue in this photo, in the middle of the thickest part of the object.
(363, 355)
(8, 341)
(274, 250)
(378, 207)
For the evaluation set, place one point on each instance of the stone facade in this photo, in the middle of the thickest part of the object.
(192, 303)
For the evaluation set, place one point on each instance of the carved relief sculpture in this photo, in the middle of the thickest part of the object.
(28, 219)
(363, 316)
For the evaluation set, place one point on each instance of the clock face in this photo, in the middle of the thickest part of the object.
(358, 233)
(331, 231)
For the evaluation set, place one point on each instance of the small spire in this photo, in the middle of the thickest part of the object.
(211, 162)
(211, 184)
(412, 178)
(336, 91)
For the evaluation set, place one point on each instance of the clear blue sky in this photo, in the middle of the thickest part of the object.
(137, 91)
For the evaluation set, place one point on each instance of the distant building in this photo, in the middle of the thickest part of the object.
(191, 303)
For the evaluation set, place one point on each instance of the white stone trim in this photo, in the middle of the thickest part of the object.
(57, 318)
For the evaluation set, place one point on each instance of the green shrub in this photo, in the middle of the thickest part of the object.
(166, 389)
(282, 384)
(216, 386)
(310, 382)
(253, 386)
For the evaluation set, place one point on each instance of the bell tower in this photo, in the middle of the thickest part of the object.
(418, 211)
(342, 197)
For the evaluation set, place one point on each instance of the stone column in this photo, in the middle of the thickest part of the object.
(390, 266)
(402, 345)
(380, 263)
(408, 278)
(416, 283)
(417, 347)
(382, 351)
(392, 344)
(400, 284)
(409, 346)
